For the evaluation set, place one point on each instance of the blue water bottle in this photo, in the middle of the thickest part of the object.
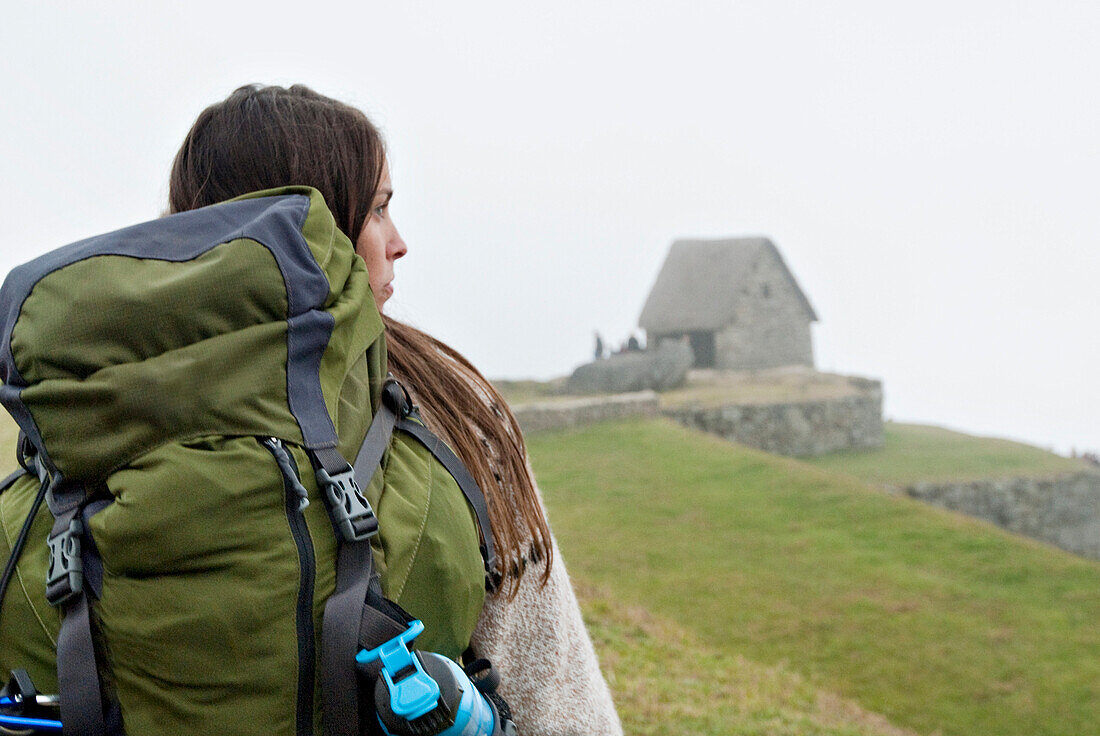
(427, 694)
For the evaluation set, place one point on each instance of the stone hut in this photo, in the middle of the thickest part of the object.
(735, 300)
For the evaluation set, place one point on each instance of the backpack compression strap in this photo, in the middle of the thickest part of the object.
(72, 565)
(83, 711)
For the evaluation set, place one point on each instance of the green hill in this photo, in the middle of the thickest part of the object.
(916, 452)
(667, 682)
(941, 623)
(8, 433)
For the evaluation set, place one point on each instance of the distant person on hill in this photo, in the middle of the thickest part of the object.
(599, 347)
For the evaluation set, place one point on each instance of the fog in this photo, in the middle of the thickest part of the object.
(929, 172)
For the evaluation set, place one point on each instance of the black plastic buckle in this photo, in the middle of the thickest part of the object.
(65, 577)
(351, 513)
(396, 397)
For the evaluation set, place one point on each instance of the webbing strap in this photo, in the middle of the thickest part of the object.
(331, 460)
(438, 448)
(381, 621)
(77, 676)
(339, 637)
(64, 496)
(7, 482)
(82, 711)
(352, 613)
(356, 616)
(374, 444)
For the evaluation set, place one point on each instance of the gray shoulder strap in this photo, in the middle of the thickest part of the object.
(357, 614)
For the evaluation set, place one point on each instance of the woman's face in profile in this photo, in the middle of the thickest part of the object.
(379, 243)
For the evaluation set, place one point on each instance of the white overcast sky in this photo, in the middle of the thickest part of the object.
(930, 170)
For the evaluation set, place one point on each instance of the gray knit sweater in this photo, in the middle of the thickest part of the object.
(549, 673)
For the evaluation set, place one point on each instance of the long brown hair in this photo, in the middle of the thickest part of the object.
(262, 137)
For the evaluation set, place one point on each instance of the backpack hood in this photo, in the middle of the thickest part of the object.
(104, 356)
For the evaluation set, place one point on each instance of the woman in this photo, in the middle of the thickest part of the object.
(531, 628)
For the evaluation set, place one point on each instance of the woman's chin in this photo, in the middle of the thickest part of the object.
(382, 295)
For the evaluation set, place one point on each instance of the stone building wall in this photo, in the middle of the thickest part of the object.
(796, 428)
(770, 327)
(564, 413)
(1062, 510)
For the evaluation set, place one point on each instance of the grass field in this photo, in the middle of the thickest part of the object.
(667, 682)
(916, 452)
(8, 432)
(524, 391)
(940, 623)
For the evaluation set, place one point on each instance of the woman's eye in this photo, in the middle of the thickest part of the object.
(380, 210)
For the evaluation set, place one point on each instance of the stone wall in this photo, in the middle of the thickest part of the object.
(796, 428)
(1063, 510)
(562, 413)
(658, 369)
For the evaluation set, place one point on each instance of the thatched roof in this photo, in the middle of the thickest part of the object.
(701, 281)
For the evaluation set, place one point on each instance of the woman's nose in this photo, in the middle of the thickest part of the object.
(397, 247)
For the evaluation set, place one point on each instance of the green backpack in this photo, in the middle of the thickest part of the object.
(188, 390)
